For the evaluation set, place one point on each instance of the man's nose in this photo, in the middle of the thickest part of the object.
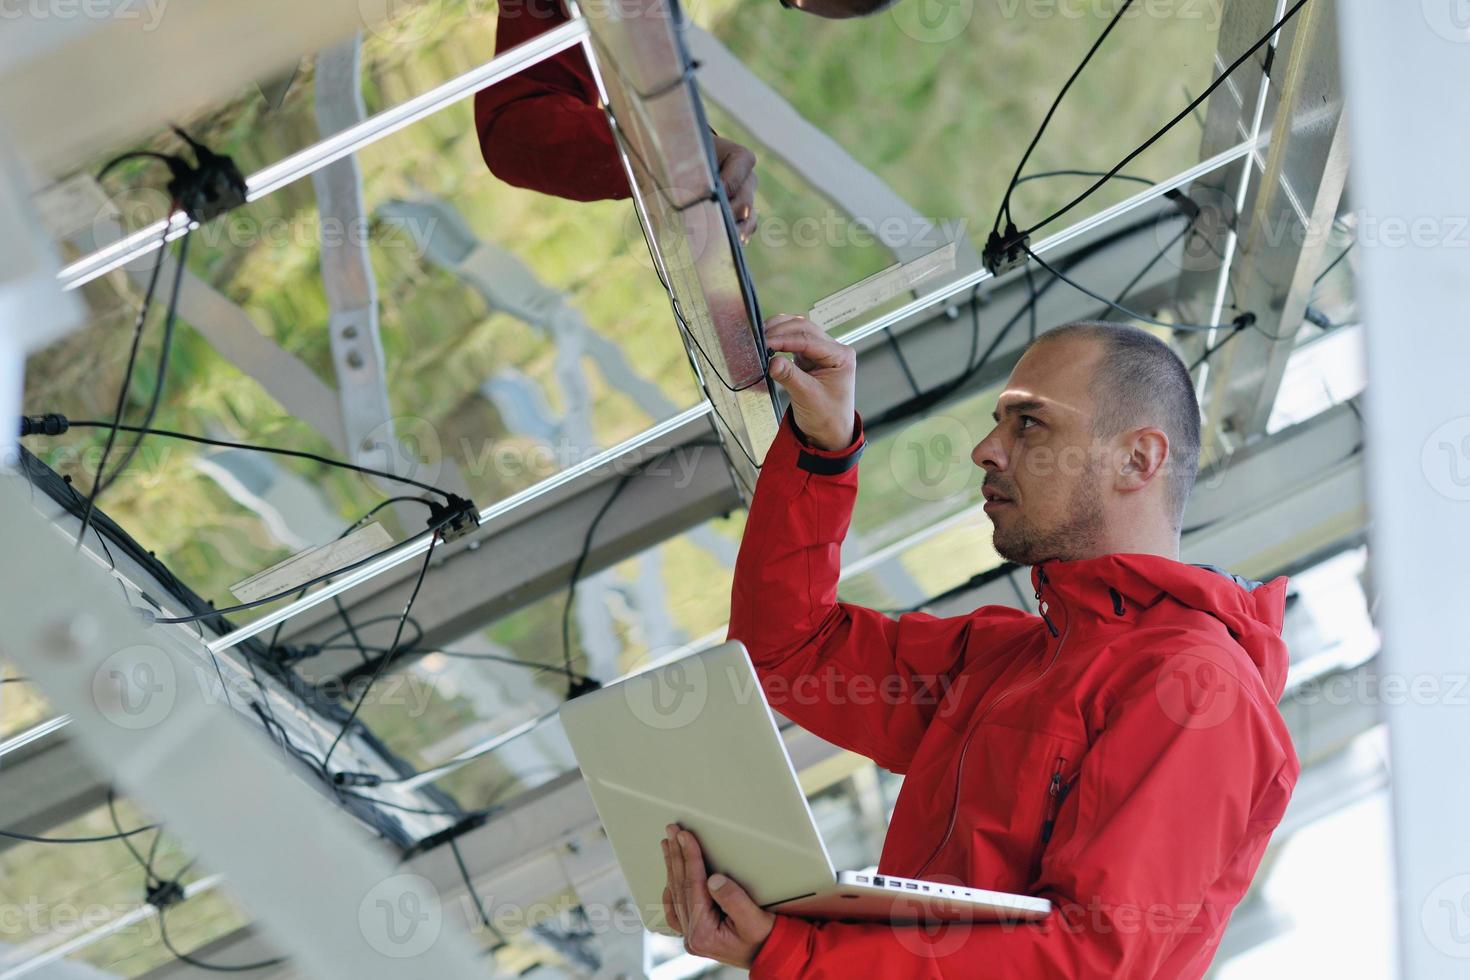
(989, 453)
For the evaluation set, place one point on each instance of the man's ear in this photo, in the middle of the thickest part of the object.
(1144, 454)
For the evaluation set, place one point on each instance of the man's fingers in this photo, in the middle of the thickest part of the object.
(794, 379)
(811, 343)
(671, 914)
(747, 917)
(676, 874)
(735, 168)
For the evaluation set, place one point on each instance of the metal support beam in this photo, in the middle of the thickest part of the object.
(1284, 235)
(1411, 136)
(327, 151)
(1233, 113)
(138, 717)
(47, 781)
(529, 554)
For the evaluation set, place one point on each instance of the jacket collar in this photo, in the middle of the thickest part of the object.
(1117, 587)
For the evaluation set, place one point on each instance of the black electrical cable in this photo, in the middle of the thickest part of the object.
(1005, 204)
(566, 610)
(464, 655)
(903, 362)
(350, 566)
(200, 964)
(117, 825)
(575, 687)
(1333, 264)
(35, 839)
(1123, 293)
(1121, 309)
(161, 375)
(1184, 114)
(1134, 178)
(122, 399)
(469, 884)
(272, 450)
(392, 650)
(1031, 302)
(135, 155)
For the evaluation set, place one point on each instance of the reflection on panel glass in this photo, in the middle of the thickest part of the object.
(519, 335)
(83, 901)
(940, 99)
(471, 693)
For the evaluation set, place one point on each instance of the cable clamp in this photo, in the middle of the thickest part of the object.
(454, 518)
(1002, 254)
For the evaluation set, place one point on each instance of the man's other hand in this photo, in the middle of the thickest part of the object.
(717, 919)
(820, 380)
(737, 173)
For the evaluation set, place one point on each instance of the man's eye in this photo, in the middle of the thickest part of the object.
(1028, 418)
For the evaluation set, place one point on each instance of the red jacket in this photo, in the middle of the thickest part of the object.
(543, 128)
(1120, 754)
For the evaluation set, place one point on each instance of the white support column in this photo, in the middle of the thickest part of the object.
(1405, 67)
(320, 886)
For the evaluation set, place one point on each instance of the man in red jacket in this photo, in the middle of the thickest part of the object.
(1119, 753)
(543, 129)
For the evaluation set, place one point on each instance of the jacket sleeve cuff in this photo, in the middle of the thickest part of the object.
(783, 951)
(825, 462)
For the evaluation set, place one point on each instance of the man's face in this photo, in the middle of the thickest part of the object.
(1045, 479)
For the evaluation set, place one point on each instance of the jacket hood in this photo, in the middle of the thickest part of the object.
(1253, 612)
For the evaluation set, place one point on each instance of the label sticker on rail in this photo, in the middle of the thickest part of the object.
(313, 563)
(879, 288)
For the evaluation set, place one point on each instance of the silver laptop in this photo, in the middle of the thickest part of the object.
(694, 743)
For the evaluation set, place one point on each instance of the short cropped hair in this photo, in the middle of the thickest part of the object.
(1141, 381)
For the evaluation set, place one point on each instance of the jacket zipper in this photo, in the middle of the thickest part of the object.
(1056, 792)
(970, 736)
